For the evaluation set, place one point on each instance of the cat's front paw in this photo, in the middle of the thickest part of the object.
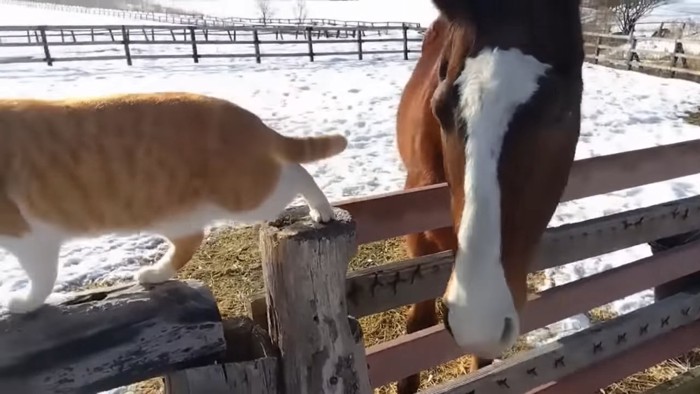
(154, 275)
(24, 303)
(322, 214)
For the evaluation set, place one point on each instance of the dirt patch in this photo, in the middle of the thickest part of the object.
(693, 117)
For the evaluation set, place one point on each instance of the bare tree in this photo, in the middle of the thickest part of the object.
(629, 12)
(265, 10)
(300, 10)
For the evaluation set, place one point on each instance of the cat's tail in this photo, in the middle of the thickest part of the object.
(309, 149)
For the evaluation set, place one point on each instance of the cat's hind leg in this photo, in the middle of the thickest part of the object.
(320, 209)
(40, 262)
(178, 254)
(36, 246)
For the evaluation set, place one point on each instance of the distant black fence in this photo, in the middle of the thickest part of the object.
(50, 44)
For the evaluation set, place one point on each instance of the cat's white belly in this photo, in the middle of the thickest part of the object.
(38, 250)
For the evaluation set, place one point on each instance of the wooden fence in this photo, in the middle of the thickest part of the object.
(107, 338)
(666, 57)
(117, 42)
(659, 56)
(583, 362)
(308, 339)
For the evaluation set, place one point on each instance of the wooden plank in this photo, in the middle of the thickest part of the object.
(47, 53)
(250, 365)
(308, 320)
(546, 307)
(193, 39)
(671, 344)
(528, 370)
(381, 288)
(667, 68)
(594, 34)
(605, 234)
(256, 45)
(392, 360)
(259, 376)
(687, 56)
(359, 43)
(393, 214)
(604, 174)
(125, 42)
(106, 338)
(309, 38)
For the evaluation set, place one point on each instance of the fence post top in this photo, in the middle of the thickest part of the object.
(295, 223)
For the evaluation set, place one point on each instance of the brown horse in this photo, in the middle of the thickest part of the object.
(493, 109)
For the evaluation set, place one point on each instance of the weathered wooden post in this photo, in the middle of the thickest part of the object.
(304, 267)
(249, 366)
(106, 338)
(404, 29)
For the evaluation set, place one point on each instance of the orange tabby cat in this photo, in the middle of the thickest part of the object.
(167, 163)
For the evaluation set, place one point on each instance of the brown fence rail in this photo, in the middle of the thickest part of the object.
(225, 356)
(392, 285)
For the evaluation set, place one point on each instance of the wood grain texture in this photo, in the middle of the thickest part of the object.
(590, 380)
(259, 376)
(391, 285)
(107, 338)
(393, 214)
(528, 370)
(395, 359)
(304, 266)
(250, 365)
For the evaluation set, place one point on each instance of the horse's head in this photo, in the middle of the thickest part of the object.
(508, 103)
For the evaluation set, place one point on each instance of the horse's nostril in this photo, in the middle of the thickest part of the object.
(508, 328)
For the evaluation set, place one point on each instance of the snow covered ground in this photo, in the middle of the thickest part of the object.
(13, 15)
(621, 111)
(684, 10)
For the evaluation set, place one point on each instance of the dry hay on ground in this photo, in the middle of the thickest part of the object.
(693, 117)
(229, 263)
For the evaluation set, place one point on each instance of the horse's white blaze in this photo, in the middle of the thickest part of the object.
(492, 86)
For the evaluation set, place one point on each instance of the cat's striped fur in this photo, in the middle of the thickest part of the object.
(167, 163)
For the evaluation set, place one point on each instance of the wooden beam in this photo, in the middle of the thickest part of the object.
(528, 370)
(398, 358)
(107, 338)
(304, 266)
(576, 241)
(259, 376)
(378, 289)
(591, 379)
(393, 214)
(250, 365)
